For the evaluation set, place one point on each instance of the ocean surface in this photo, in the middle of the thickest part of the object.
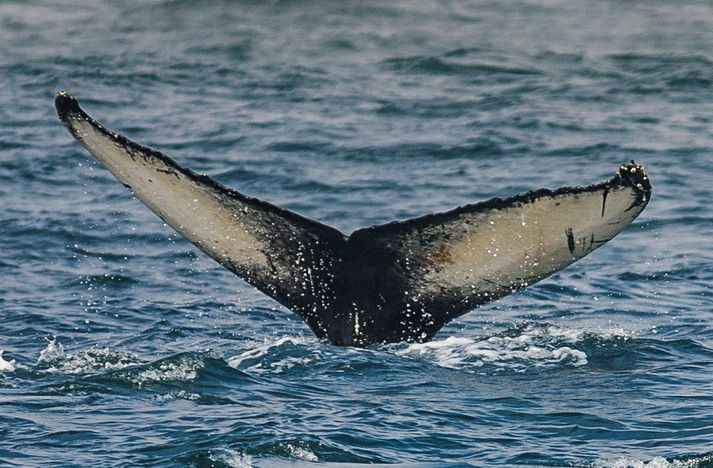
(126, 346)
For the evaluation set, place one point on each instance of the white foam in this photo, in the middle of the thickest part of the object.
(261, 349)
(264, 349)
(90, 360)
(657, 462)
(290, 362)
(53, 351)
(535, 346)
(54, 359)
(573, 334)
(183, 371)
(179, 395)
(232, 458)
(6, 366)
(302, 453)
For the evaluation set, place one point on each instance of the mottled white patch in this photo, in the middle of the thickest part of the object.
(195, 209)
(496, 251)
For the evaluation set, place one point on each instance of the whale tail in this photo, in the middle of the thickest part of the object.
(446, 264)
(401, 281)
(275, 250)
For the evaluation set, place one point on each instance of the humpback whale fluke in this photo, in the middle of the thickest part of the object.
(400, 281)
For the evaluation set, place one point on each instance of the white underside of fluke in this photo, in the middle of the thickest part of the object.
(511, 247)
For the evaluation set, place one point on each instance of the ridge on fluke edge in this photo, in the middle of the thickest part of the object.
(400, 281)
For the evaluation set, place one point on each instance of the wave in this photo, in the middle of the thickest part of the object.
(526, 347)
(657, 462)
(662, 73)
(438, 65)
(181, 368)
(105, 280)
(230, 458)
(104, 364)
(53, 359)
(6, 366)
(276, 356)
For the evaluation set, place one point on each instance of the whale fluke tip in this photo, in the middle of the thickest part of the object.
(66, 104)
(635, 175)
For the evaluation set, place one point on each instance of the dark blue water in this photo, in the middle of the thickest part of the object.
(133, 348)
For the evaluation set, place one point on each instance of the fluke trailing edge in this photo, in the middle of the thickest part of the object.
(400, 281)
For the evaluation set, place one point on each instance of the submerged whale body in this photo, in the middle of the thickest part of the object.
(400, 281)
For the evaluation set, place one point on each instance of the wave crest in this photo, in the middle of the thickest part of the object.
(54, 359)
(525, 347)
(657, 462)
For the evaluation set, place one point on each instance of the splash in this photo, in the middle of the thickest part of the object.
(657, 462)
(261, 350)
(6, 366)
(127, 367)
(179, 395)
(302, 453)
(183, 369)
(525, 347)
(52, 352)
(54, 359)
(232, 458)
(275, 356)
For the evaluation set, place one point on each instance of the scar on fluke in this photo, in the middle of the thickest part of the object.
(170, 171)
(604, 200)
(570, 240)
(401, 281)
